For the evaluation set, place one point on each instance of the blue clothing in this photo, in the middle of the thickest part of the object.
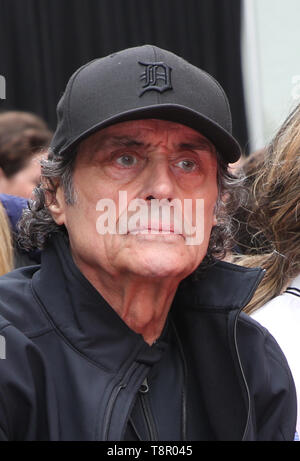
(14, 207)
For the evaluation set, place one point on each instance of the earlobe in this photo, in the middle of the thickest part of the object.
(57, 207)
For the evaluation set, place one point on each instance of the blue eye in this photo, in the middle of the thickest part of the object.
(127, 160)
(187, 165)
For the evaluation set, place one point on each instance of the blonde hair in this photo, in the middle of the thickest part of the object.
(274, 213)
(6, 247)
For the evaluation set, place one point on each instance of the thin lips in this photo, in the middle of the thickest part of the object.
(154, 228)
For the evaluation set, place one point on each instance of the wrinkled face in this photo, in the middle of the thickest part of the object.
(157, 162)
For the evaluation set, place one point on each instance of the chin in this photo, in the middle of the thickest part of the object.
(160, 272)
(163, 264)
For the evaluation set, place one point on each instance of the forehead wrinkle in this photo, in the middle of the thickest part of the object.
(143, 136)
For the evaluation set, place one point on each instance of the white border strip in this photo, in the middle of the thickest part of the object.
(252, 76)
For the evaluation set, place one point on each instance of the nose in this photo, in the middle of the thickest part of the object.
(159, 184)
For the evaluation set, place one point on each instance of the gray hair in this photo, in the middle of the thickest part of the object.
(37, 225)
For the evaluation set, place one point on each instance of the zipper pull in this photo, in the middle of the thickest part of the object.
(144, 387)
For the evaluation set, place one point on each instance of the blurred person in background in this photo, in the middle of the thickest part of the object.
(274, 220)
(13, 208)
(248, 240)
(23, 139)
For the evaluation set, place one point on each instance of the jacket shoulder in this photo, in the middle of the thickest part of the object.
(253, 335)
(269, 379)
(23, 385)
(18, 305)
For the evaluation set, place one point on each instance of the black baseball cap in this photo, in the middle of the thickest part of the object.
(140, 83)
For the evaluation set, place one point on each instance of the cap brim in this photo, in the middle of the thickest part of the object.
(226, 145)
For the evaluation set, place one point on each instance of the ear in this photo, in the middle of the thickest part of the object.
(57, 207)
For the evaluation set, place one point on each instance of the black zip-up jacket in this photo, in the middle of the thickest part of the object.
(73, 369)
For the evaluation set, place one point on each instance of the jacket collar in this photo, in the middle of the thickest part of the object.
(221, 285)
(93, 328)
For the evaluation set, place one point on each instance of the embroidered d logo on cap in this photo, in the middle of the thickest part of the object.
(139, 83)
(157, 77)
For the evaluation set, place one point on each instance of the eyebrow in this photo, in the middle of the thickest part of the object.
(111, 141)
(127, 141)
(201, 144)
(131, 141)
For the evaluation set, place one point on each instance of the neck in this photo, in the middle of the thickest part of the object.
(142, 303)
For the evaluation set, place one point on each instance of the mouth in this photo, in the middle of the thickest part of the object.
(152, 229)
(155, 230)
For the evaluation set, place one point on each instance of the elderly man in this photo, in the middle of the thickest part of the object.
(130, 329)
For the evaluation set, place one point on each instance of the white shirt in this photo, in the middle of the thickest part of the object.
(281, 317)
